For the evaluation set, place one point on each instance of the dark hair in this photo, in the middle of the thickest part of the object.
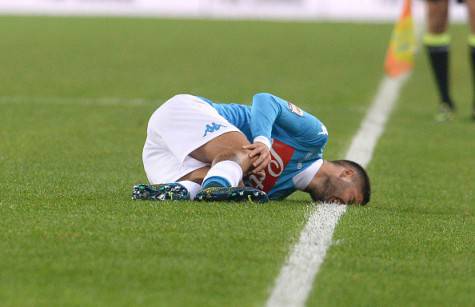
(362, 175)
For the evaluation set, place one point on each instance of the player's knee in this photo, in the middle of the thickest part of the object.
(236, 155)
(240, 156)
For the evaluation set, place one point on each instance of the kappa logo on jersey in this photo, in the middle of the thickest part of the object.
(213, 127)
(281, 154)
(294, 109)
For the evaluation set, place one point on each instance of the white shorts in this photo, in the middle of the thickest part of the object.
(178, 127)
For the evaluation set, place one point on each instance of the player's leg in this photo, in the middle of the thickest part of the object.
(471, 45)
(189, 142)
(221, 181)
(229, 161)
(437, 42)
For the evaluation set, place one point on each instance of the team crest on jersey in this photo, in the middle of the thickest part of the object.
(294, 109)
(281, 154)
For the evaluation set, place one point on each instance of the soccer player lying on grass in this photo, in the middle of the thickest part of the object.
(200, 150)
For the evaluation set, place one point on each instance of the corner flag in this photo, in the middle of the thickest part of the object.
(402, 47)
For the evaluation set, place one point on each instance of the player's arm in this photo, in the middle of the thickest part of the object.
(268, 110)
(264, 112)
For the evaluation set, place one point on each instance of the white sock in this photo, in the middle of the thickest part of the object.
(192, 187)
(229, 170)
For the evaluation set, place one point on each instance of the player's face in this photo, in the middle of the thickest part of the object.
(341, 189)
(338, 188)
(347, 195)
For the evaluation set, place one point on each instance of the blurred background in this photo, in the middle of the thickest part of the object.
(363, 10)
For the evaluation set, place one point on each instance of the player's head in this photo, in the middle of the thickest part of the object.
(341, 181)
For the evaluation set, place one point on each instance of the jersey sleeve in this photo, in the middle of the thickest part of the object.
(268, 111)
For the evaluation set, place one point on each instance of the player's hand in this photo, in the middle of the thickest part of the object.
(260, 156)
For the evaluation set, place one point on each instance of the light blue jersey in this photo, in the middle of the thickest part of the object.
(297, 137)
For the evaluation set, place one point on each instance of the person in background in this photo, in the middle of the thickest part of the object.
(437, 41)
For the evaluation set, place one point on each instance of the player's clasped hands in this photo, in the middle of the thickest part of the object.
(260, 156)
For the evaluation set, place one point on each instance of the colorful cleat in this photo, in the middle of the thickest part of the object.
(236, 194)
(165, 191)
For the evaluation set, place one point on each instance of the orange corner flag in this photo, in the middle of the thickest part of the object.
(402, 47)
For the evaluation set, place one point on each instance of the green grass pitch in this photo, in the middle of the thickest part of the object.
(71, 236)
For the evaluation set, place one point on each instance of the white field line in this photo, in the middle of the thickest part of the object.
(100, 101)
(296, 277)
